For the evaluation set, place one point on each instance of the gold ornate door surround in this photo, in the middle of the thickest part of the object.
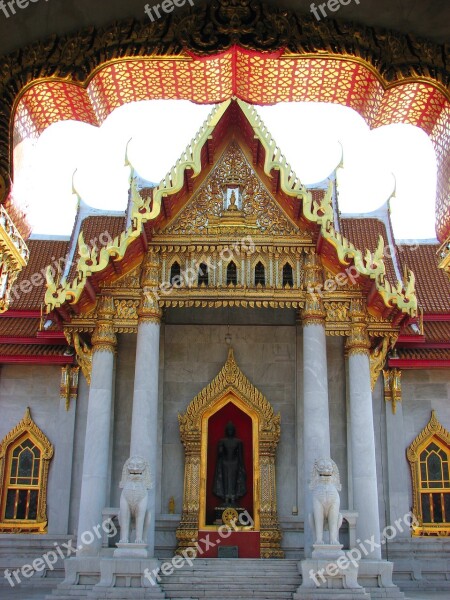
(230, 385)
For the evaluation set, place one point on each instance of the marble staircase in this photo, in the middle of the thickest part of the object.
(233, 579)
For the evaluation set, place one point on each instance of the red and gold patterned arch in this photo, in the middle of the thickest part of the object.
(251, 76)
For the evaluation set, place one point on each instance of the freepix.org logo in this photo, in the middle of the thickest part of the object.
(158, 10)
(331, 5)
(10, 7)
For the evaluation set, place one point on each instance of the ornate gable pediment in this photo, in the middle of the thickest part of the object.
(208, 213)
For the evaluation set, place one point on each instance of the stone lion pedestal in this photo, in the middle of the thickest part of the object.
(333, 576)
(331, 572)
(129, 573)
(328, 573)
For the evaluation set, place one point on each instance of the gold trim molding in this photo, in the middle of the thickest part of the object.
(230, 382)
(26, 426)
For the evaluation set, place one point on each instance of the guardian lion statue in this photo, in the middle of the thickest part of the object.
(135, 483)
(326, 485)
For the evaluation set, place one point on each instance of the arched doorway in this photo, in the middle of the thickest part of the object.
(230, 396)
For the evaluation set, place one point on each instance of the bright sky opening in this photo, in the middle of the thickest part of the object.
(312, 136)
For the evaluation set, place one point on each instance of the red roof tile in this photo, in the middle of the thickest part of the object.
(29, 290)
(364, 234)
(437, 331)
(432, 284)
(18, 327)
(30, 350)
(424, 353)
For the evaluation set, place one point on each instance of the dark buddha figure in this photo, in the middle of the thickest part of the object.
(229, 478)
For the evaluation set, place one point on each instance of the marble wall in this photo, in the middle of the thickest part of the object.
(37, 387)
(268, 348)
(194, 354)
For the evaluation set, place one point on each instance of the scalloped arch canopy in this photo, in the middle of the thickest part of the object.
(254, 77)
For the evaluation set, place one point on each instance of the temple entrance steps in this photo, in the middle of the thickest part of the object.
(233, 579)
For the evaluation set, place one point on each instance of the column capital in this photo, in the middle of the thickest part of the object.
(149, 310)
(313, 312)
(358, 339)
(104, 338)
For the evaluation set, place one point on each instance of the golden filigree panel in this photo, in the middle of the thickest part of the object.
(208, 202)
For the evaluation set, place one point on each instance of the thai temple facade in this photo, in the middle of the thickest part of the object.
(230, 293)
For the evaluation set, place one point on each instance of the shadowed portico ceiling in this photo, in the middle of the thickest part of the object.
(225, 48)
(422, 18)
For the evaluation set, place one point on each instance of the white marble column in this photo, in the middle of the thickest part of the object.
(144, 427)
(365, 488)
(316, 420)
(95, 480)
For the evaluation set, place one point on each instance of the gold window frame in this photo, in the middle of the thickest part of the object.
(434, 432)
(26, 429)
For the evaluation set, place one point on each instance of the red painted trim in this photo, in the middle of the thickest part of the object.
(418, 363)
(51, 335)
(436, 317)
(24, 314)
(33, 341)
(410, 339)
(425, 346)
(36, 360)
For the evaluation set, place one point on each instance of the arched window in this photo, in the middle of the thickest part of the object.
(175, 274)
(260, 274)
(24, 457)
(429, 456)
(203, 277)
(288, 277)
(232, 274)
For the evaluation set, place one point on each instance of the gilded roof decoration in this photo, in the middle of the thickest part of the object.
(370, 264)
(318, 212)
(208, 202)
(143, 210)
